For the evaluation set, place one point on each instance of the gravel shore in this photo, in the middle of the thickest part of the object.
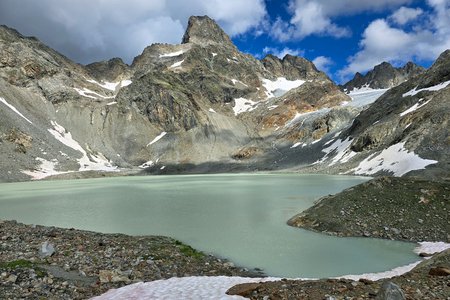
(85, 264)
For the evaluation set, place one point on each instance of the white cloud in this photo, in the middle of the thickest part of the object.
(314, 17)
(405, 14)
(383, 41)
(323, 63)
(90, 30)
(280, 53)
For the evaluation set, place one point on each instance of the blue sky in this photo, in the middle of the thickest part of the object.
(340, 36)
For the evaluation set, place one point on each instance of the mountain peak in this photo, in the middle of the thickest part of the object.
(203, 30)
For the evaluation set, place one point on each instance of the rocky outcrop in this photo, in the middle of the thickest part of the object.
(204, 31)
(112, 70)
(383, 76)
(293, 67)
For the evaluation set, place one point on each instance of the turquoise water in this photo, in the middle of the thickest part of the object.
(239, 217)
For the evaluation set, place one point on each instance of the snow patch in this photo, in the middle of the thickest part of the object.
(177, 64)
(212, 110)
(395, 159)
(243, 105)
(46, 168)
(160, 136)
(363, 96)
(280, 86)
(342, 151)
(88, 162)
(171, 54)
(110, 85)
(89, 94)
(431, 247)
(381, 275)
(111, 103)
(147, 164)
(272, 107)
(14, 109)
(433, 88)
(213, 54)
(413, 108)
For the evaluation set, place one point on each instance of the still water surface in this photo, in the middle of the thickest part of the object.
(238, 216)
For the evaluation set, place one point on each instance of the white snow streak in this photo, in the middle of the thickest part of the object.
(395, 159)
(177, 64)
(160, 136)
(111, 85)
(243, 105)
(413, 108)
(147, 164)
(211, 110)
(280, 86)
(89, 94)
(14, 109)
(172, 54)
(272, 107)
(431, 88)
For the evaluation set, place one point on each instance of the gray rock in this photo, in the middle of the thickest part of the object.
(46, 249)
(390, 291)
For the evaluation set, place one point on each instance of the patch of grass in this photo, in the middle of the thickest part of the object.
(188, 250)
(23, 263)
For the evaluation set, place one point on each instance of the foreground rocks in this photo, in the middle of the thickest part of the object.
(416, 284)
(387, 207)
(38, 262)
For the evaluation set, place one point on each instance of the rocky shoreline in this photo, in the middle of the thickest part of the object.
(78, 264)
(397, 208)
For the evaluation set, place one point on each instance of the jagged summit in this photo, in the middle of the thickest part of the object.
(383, 76)
(293, 67)
(204, 30)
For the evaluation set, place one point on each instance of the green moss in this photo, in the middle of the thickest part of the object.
(188, 250)
(22, 263)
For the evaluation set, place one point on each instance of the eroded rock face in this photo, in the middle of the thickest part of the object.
(203, 30)
(384, 76)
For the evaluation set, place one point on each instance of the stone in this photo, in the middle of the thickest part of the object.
(12, 278)
(46, 250)
(439, 271)
(244, 289)
(106, 276)
(390, 291)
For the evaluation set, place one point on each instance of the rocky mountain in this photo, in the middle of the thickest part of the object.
(383, 76)
(200, 106)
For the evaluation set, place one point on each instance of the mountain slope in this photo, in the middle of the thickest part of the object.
(383, 76)
(199, 102)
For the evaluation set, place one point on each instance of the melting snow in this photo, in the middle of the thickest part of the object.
(280, 86)
(213, 54)
(342, 150)
(177, 64)
(211, 110)
(431, 247)
(395, 159)
(214, 287)
(431, 88)
(363, 96)
(272, 107)
(111, 103)
(147, 164)
(172, 54)
(111, 85)
(88, 93)
(243, 105)
(14, 109)
(160, 136)
(47, 168)
(414, 108)
(97, 162)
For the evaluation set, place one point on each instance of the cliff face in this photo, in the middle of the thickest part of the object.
(200, 106)
(384, 76)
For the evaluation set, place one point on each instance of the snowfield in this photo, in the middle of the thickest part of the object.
(280, 86)
(395, 159)
(243, 105)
